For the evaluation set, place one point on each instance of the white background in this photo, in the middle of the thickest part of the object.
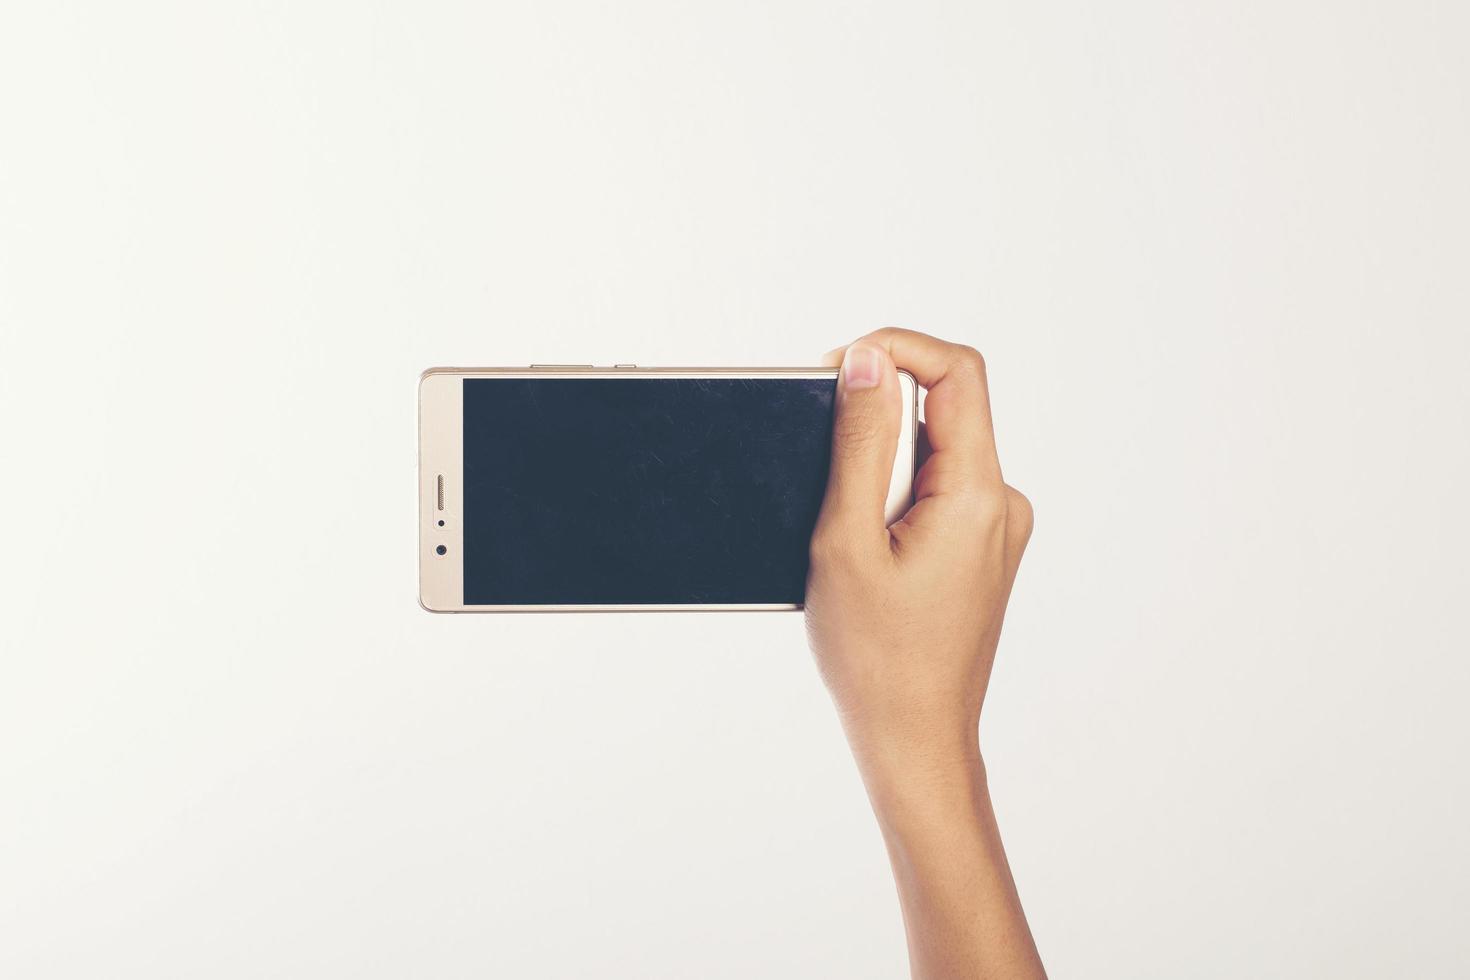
(1216, 255)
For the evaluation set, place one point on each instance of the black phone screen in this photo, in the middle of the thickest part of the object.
(642, 490)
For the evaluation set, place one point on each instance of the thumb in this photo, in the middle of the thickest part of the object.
(865, 422)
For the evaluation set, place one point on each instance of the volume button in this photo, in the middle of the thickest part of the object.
(558, 367)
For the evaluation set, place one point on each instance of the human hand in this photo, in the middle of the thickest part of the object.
(904, 622)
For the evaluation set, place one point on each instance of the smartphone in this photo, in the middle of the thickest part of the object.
(572, 487)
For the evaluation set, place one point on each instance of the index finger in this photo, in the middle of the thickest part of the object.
(957, 406)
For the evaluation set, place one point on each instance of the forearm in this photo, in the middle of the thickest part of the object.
(960, 908)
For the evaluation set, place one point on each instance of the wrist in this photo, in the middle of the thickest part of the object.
(932, 783)
(935, 820)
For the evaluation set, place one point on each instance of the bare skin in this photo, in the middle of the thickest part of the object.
(904, 622)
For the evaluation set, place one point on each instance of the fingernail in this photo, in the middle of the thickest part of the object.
(861, 367)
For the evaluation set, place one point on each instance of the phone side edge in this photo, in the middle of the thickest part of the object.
(440, 452)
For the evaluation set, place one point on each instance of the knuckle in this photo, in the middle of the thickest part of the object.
(1020, 514)
(984, 510)
(971, 360)
(993, 509)
(853, 433)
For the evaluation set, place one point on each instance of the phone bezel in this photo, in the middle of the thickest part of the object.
(441, 453)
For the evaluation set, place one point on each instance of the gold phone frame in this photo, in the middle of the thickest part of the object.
(441, 464)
